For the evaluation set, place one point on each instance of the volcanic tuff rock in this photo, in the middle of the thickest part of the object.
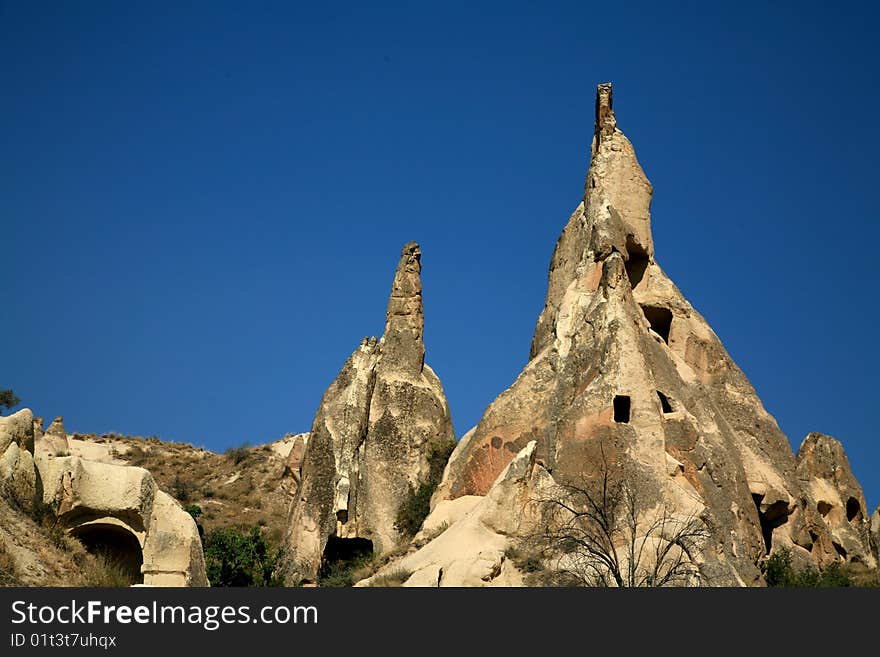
(17, 471)
(622, 364)
(835, 512)
(374, 429)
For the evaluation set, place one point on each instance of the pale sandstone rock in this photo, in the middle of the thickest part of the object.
(471, 552)
(371, 437)
(834, 509)
(17, 472)
(54, 440)
(94, 495)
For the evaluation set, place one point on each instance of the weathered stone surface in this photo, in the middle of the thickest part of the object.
(372, 434)
(54, 441)
(17, 472)
(835, 512)
(875, 532)
(621, 361)
(471, 552)
(172, 547)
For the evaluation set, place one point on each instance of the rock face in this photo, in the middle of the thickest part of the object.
(374, 430)
(875, 532)
(622, 364)
(17, 472)
(835, 512)
(472, 551)
(54, 439)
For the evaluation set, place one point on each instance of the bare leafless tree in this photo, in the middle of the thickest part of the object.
(595, 534)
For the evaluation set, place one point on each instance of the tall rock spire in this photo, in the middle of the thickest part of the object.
(405, 319)
(373, 436)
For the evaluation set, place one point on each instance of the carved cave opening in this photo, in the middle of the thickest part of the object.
(118, 547)
(853, 510)
(636, 262)
(665, 404)
(775, 516)
(660, 320)
(621, 409)
(342, 553)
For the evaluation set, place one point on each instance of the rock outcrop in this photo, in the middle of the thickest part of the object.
(473, 550)
(370, 442)
(120, 509)
(835, 512)
(621, 364)
(17, 473)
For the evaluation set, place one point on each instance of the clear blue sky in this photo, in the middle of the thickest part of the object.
(202, 206)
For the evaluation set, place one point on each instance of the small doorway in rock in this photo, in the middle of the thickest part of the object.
(621, 409)
(117, 552)
(665, 404)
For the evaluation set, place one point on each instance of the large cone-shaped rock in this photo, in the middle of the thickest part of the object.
(620, 361)
(376, 426)
(835, 511)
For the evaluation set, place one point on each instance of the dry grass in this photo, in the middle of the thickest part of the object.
(8, 570)
(392, 579)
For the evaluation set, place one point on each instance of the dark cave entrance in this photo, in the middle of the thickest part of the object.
(118, 547)
(636, 262)
(621, 409)
(775, 516)
(341, 557)
(660, 320)
(665, 403)
(853, 510)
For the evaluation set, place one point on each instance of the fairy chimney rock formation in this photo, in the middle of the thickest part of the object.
(621, 364)
(370, 442)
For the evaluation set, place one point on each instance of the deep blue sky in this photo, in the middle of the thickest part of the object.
(202, 207)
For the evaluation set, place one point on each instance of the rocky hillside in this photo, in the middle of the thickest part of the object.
(242, 487)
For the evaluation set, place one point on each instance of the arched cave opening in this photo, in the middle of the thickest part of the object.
(117, 545)
(853, 510)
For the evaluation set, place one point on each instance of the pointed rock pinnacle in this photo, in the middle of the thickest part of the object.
(405, 319)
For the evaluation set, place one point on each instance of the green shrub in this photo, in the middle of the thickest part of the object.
(237, 557)
(343, 573)
(182, 489)
(8, 400)
(781, 573)
(194, 510)
(417, 505)
(238, 454)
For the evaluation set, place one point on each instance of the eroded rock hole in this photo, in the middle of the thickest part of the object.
(621, 409)
(117, 548)
(774, 516)
(660, 320)
(636, 262)
(839, 549)
(853, 509)
(823, 508)
(664, 403)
